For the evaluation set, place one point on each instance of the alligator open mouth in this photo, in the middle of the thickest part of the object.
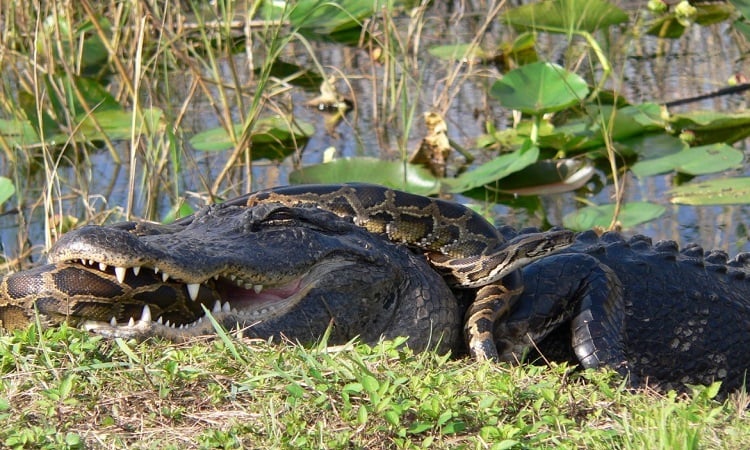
(180, 311)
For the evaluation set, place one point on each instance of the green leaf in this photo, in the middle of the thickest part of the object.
(18, 133)
(272, 137)
(7, 189)
(395, 174)
(713, 126)
(118, 125)
(743, 6)
(631, 214)
(494, 169)
(566, 16)
(539, 88)
(722, 191)
(692, 161)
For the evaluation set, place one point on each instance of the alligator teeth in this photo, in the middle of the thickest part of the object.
(91, 262)
(146, 314)
(248, 285)
(120, 274)
(217, 307)
(226, 307)
(167, 324)
(159, 321)
(102, 267)
(156, 269)
(113, 321)
(164, 277)
(258, 288)
(136, 270)
(131, 322)
(192, 289)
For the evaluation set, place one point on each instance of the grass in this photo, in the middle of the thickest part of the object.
(62, 388)
(65, 389)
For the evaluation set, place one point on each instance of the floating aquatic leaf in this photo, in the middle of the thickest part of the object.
(631, 214)
(7, 189)
(272, 137)
(395, 174)
(539, 88)
(18, 133)
(693, 161)
(713, 126)
(495, 169)
(722, 191)
(566, 16)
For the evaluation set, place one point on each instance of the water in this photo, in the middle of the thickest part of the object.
(646, 70)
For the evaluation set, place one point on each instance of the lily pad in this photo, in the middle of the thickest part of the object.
(539, 88)
(395, 174)
(693, 161)
(495, 169)
(722, 191)
(118, 125)
(713, 126)
(631, 214)
(566, 16)
(7, 189)
(18, 133)
(272, 137)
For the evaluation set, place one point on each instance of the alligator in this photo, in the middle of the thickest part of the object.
(367, 261)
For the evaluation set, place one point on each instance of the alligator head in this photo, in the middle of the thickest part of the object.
(270, 270)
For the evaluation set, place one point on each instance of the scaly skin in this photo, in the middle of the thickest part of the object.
(317, 271)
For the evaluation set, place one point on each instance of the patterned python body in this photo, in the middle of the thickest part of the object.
(458, 242)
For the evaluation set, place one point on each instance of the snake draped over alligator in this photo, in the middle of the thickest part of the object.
(371, 262)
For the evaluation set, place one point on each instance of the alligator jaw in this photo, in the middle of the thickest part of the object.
(230, 299)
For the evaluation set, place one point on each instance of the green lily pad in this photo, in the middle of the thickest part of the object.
(693, 161)
(7, 189)
(713, 126)
(272, 137)
(539, 88)
(18, 133)
(395, 174)
(722, 191)
(566, 16)
(118, 125)
(494, 169)
(585, 133)
(631, 214)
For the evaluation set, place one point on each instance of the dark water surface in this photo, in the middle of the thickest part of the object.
(646, 69)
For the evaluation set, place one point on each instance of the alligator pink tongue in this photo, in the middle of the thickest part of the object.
(240, 297)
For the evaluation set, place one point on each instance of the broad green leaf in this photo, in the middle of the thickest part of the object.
(272, 137)
(458, 52)
(692, 161)
(566, 16)
(713, 126)
(18, 133)
(723, 191)
(7, 189)
(395, 174)
(118, 125)
(494, 169)
(586, 133)
(651, 146)
(631, 214)
(539, 88)
(743, 6)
